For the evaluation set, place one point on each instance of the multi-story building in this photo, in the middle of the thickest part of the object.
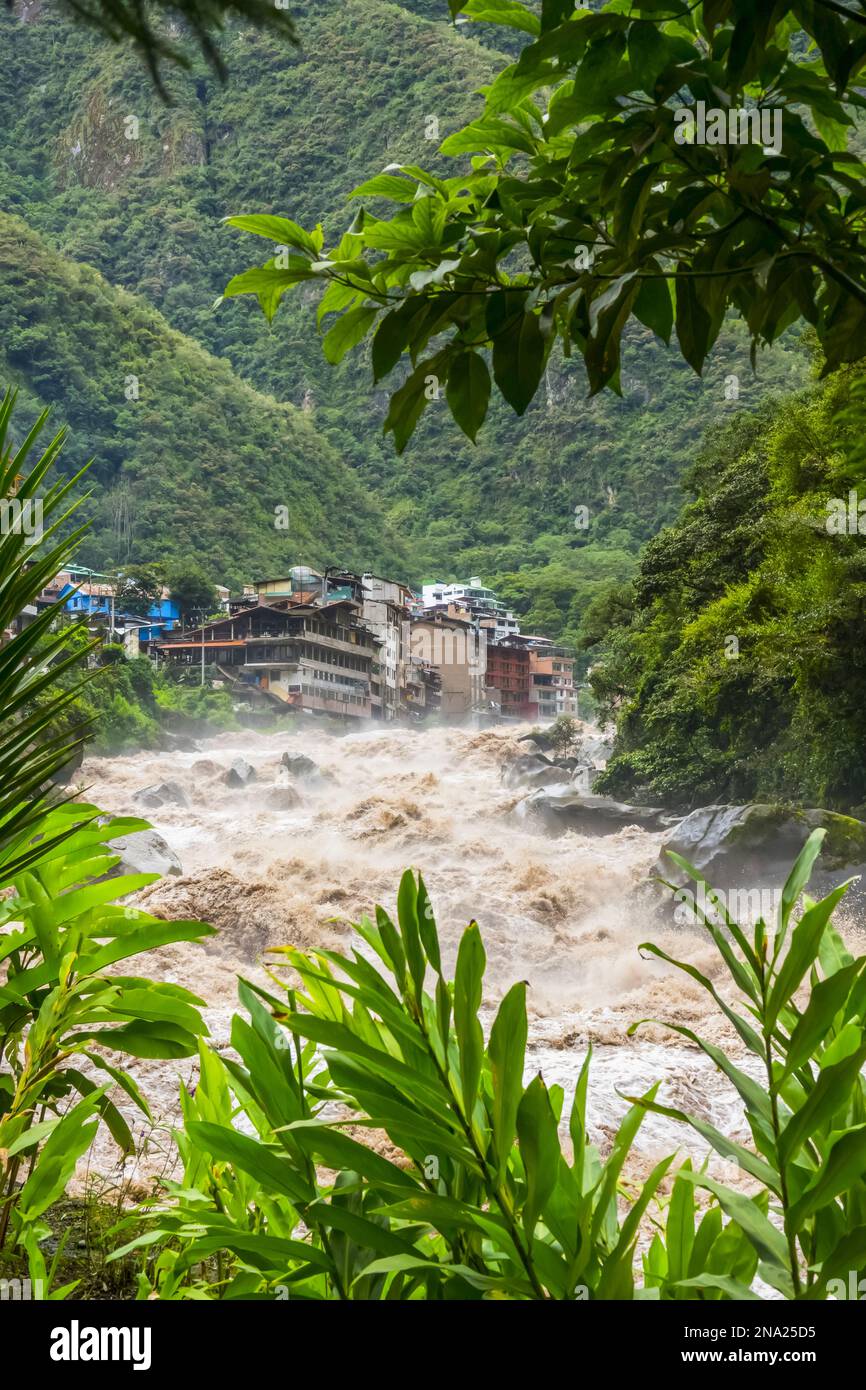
(480, 603)
(307, 656)
(458, 651)
(509, 674)
(551, 688)
(385, 610)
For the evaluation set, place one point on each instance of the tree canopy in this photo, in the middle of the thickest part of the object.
(161, 30)
(653, 161)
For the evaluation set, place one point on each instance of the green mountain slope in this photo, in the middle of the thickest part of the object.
(198, 462)
(293, 132)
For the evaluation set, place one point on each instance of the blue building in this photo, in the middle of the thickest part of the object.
(94, 599)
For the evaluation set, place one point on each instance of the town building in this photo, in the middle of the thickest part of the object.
(385, 610)
(315, 657)
(91, 595)
(458, 650)
(509, 674)
(552, 691)
(479, 602)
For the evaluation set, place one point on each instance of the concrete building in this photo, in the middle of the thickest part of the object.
(551, 690)
(385, 610)
(458, 651)
(479, 602)
(305, 656)
(509, 675)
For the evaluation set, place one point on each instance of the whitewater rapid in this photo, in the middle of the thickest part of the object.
(565, 914)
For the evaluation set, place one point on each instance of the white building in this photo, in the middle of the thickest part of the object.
(486, 609)
(385, 608)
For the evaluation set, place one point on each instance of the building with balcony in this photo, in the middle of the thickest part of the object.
(509, 674)
(478, 602)
(385, 612)
(306, 656)
(551, 689)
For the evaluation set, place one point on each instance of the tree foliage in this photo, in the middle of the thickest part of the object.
(735, 666)
(594, 196)
(153, 28)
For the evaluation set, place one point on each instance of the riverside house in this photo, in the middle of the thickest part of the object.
(306, 656)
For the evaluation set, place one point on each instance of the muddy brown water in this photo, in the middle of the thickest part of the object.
(567, 914)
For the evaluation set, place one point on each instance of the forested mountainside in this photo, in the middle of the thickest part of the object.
(735, 661)
(199, 462)
(112, 178)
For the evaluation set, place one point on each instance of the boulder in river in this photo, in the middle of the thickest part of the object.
(283, 797)
(144, 852)
(179, 743)
(561, 810)
(299, 765)
(533, 770)
(240, 774)
(754, 846)
(161, 794)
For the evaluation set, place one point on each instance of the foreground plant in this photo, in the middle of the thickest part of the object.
(478, 1195)
(61, 930)
(483, 1199)
(802, 1017)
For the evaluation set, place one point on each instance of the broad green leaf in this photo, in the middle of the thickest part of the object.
(507, 1049)
(539, 1150)
(468, 979)
(468, 391)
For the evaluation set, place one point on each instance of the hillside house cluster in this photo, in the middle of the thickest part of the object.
(363, 646)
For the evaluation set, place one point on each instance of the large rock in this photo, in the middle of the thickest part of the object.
(179, 743)
(161, 794)
(532, 770)
(240, 774)
(596, 750)
(561, 810)
(283, 798)
(144, 852)
(754, 846)
(299, 765)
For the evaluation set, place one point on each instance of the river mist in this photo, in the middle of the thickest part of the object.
(566, 914)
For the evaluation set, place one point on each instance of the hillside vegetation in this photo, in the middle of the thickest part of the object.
(736, 663)
(284, 136)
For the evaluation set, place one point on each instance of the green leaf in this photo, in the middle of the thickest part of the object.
(680, 1227)
(842, 1168)
(468, 978)
(539, 1150)
(55, 1164)
(348, 331)
(654, 307)
(802, 951)
(519, 349)
(279, 229)
(269, 1166)
(507, 1049)
(825, 1001)
(399, 190)
(468, 392)
(832, 1091)
(695, 332)
(408, 403)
